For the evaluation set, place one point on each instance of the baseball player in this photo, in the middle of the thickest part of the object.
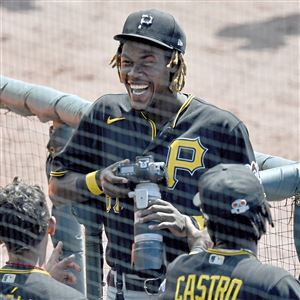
(68, 228)
(233, 202)
(24, 226)
(153, 118)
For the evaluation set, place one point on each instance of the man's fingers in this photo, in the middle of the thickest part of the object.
(116, 165)
(111, 178)
(69, 278)
(160, 202)
(108, 173)
(166, 225)
(58, 250)
(55, 255)
(156, 216)
(74, 266)
(68, 263)
(172, 226)
(115, 191)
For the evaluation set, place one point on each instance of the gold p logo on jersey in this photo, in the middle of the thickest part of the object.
(184, 154)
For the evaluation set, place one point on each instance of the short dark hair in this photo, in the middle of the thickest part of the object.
(24, 216)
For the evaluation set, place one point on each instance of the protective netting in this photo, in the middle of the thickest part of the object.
(24, 153)
(277, 246)
(241, 56)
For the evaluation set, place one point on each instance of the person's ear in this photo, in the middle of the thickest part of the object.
(52, 226)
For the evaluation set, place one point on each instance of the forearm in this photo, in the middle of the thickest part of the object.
(64, 188)
(73, 186)
(197, 238)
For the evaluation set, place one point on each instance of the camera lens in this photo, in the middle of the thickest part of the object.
(148, 244)
(148, 251)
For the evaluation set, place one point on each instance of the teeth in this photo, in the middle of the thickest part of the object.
(138, 89)
(138, 86)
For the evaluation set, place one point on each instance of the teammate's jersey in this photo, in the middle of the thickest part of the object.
(197, 138)
(21, 283)
(223, 274)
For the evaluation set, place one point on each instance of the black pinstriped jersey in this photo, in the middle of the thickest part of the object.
(22, 283)
(224, 274)
(197, 138)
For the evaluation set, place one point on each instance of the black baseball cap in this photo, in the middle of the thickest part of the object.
(228, 190)
(154, 26)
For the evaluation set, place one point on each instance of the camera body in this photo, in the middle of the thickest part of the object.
(143, 170)
(148, 248)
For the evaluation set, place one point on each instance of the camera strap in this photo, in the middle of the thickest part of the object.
(119, 286)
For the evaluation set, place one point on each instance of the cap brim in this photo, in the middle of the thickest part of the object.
(124, 36)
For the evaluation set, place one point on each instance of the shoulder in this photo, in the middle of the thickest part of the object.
(180, 262)
(112, 100)
(212, 113)
(55, 289)
(37, 285)
(66, 292)
(271, 279)
(276, 274)
(113, 104)
(201, 115)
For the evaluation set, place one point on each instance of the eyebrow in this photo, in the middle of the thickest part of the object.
(144, 52)
(142, 56)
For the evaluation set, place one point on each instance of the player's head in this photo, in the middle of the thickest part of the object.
(233, 201)
(24, 216)
(157, 29)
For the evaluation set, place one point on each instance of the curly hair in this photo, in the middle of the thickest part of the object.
(177, 80)
(24, 216)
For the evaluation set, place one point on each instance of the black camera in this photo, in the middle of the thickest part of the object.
(143, 170)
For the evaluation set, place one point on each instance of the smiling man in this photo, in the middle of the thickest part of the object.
(151, 61)
(153, 118)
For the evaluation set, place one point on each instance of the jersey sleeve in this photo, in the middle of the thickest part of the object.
(81, 153)
(238, 146)
(287, 287)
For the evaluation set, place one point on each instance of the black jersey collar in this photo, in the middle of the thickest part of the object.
(182, 109)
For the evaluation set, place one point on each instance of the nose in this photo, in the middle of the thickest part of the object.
(134, 71)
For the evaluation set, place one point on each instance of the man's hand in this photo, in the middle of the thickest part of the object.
(167, 216)
(57, 268)
(197, 239)
(111, 184)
